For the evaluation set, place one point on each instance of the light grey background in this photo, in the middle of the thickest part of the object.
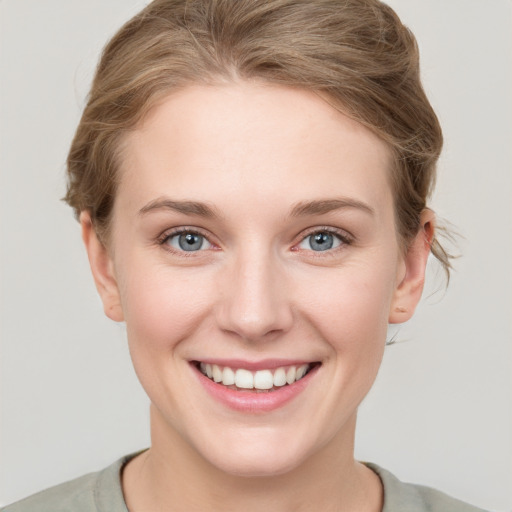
(441, 411)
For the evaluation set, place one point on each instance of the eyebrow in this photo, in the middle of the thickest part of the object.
(186, 207)
(302, 209)
(328, 205)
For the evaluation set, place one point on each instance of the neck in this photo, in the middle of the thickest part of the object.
(172, 475)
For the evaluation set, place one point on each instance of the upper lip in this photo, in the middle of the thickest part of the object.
(263, 364)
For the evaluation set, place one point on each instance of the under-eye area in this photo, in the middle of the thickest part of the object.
(260, 381)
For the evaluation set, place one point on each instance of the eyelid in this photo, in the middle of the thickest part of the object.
(172, 232)
(344, 236)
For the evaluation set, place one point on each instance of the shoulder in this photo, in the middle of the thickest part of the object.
(94, 492)
(405, 497)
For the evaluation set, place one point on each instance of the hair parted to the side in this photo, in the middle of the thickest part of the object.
(355, 53)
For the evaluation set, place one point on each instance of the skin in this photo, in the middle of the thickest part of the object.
(253, 153)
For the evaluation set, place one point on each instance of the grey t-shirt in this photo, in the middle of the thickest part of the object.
(102, 492)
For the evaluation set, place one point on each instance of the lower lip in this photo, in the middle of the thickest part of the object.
(251, 401)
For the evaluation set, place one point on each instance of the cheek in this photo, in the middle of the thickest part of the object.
(162, 306)
(351, 303)
(349, 311)
(162, 310)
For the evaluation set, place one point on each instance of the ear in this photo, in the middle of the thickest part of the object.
(102, 269)
(412, 274)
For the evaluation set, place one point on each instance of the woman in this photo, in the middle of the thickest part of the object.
(251, 180)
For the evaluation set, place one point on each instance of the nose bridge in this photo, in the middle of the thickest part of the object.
(254, 299)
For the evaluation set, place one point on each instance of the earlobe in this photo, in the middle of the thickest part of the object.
(102, 269)
(410, 287)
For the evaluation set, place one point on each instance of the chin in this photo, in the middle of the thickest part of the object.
(259, 454)
(263, 464)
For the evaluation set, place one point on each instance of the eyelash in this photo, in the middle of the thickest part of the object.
(164, 238)
(344, 238)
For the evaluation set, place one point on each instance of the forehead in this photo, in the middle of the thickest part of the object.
(249, 140)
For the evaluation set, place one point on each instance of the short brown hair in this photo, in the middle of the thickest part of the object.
(355, 53)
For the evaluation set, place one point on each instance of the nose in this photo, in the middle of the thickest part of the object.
(254, 301)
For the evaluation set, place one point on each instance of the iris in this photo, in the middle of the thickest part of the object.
(321, 241)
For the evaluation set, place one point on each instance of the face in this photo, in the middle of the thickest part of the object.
(254, 240)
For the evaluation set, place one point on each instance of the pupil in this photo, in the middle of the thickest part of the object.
(322, 241)
(190, 241)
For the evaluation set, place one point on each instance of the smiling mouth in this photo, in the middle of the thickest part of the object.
(260, 381)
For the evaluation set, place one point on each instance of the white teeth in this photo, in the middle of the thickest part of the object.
(279, 377)
(216, 373)
(244, 379)
(290, 375)
(301, 371)
(261, 380)
(228, 376)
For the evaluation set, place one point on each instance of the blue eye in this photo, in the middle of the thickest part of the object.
(321, 241)
(188, 241)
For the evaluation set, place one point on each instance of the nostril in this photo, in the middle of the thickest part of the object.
(253, 303)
